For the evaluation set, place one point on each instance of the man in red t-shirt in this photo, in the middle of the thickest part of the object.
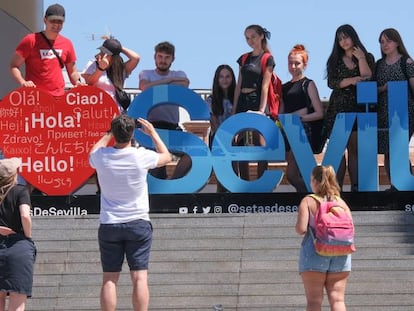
(44, 55)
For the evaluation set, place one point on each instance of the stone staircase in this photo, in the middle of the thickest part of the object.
(244, 262)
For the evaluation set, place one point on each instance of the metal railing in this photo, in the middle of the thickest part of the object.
(204, 93)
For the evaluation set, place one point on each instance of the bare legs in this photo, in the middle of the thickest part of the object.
(108, 291)
(334, 283)
(350, 161)
(140, 291)
(293, 175)
(353, 160)
(17, 302)
(250, 138)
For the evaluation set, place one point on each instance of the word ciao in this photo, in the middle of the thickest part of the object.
(222, 154)
(32, 98)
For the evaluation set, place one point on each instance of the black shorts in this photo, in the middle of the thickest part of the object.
(250, 101)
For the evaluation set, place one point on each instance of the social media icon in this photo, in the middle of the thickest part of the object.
(206, 209)
(218, 209)
(183, 210)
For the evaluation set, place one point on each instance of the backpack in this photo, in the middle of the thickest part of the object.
(275, 87)
(334, 229)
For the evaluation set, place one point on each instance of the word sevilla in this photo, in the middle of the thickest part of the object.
(222, 153)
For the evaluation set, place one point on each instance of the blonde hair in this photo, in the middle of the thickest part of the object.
(6, 184)
(327, 183)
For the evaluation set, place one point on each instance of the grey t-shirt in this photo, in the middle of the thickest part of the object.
(167, 113)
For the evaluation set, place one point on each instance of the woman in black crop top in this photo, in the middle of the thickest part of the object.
(252, 88)
(296, 94)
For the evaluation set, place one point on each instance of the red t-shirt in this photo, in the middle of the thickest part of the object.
(42, 65)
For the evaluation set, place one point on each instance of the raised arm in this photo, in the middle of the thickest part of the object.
(164, 154)
(132, 62)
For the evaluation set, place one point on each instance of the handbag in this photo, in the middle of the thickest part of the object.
(315, 130)
(122, 98)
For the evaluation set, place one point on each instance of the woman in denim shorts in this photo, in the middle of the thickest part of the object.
(17, 250)
(321, 272)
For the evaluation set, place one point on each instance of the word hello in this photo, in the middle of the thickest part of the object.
(48, 164)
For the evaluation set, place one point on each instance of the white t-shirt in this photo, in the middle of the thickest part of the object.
(167, 113)
(103, 82)
(122, 176)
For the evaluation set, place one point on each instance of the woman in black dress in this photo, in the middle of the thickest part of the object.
(348, 64)
(395, 65)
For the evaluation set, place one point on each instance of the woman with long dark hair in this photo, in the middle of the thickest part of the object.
(108, 70)
(221, 101)
(348, 64)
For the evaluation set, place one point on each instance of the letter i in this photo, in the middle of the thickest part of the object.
(26, 125)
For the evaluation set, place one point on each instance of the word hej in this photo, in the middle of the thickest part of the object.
(54, 136)
(223, 153)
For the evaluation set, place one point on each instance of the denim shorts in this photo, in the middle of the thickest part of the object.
(17, 258)
(132, 239)
(309, 260)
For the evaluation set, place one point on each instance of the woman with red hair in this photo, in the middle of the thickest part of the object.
(300, 97)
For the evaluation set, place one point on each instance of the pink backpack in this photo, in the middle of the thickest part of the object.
(334, 229)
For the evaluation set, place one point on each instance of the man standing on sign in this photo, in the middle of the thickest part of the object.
(45, 54)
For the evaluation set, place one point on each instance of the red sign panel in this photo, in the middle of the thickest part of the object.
(54, 136)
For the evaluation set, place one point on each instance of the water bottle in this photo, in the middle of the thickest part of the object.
(218, 307)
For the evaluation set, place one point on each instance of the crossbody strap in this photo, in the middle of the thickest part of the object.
(53, 49)
(310, 230)
(305, 85)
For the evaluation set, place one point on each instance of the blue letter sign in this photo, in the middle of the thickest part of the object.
(223, 153)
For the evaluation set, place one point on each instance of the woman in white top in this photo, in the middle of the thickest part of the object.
(108, 71)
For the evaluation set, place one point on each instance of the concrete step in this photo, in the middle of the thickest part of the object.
(245, 262)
